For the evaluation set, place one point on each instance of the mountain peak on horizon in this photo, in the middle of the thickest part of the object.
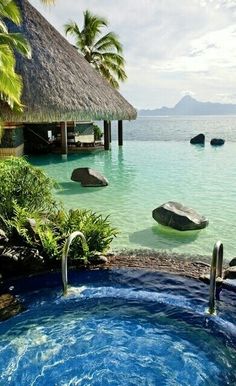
(188, 105)
(186, 99)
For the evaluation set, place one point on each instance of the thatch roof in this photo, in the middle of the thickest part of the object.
(59, 84)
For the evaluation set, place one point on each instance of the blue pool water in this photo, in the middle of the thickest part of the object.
(118, 328)
(143, 175)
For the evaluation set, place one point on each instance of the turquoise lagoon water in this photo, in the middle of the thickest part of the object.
(146, 173)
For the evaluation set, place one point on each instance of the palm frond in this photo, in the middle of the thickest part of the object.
(9, 10)
(110, 62)
(106, 73)
(112, 56)
(72, 28)
(94, 21)
(10, 89)
(109, 41)
(16, 41)
(10, 82)
(3, 27)
(92, 27)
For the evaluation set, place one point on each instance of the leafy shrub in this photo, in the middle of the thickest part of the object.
(41, 236)
(97, 230)
(49, 235)
(26, 186)
(31, 216)
(97, 133)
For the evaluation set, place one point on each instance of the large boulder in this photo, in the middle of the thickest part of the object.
(88, 177)
(198, 139)
(177, 216)
(217, 142)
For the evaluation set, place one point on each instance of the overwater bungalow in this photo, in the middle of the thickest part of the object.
(60, 89)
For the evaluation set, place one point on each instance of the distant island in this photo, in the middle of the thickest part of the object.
(190, 106)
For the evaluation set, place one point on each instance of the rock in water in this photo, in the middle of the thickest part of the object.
(230, 273)
(217, 142)
(177, 216)
(88, 177)
(9, 306)
(198, 139)
(232, 263)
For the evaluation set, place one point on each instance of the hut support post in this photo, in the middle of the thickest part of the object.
(110, 131)
(64, 145)
(106, 136)
(120, 133)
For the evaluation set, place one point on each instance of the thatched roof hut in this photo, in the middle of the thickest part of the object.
(59, 84)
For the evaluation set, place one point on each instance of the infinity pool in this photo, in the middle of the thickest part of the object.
(118, 328)
(144, 175)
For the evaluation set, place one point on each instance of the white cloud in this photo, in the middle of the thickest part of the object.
(169, 46)
(211, 52)
(226, 98)
(188, 92)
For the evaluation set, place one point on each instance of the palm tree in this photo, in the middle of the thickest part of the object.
(10, 81)
(104, 53)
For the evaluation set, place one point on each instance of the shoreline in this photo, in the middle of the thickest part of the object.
(173, 263)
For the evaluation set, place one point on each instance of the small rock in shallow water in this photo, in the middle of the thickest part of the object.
(232, 263)
(88, 177)
(217, 142)
(198, 139)
(230, 273)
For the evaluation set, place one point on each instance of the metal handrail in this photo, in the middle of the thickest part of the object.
(216, 271)
(65, 252)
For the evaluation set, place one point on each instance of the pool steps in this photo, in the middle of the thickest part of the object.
(215, 275)
(215, 272)
(66, 249)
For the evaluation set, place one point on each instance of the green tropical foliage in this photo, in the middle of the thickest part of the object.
(97, 230)
(10, 82)
(103, 52)
(97, 132)
(30, 215)
(40, 236)
(26, 186)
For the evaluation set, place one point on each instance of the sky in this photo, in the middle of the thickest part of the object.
(171, 47)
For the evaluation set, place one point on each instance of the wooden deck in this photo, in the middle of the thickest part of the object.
(81, 148)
